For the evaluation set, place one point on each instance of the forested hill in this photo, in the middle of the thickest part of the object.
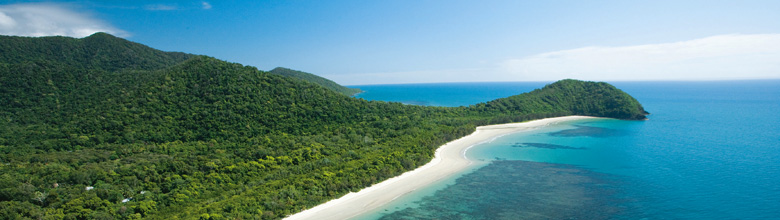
(139, 133)
(573, 98)
(315, 79)
(99, 51)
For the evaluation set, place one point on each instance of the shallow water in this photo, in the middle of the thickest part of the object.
(529, 190)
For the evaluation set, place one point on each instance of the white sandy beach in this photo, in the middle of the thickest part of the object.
(448, 160)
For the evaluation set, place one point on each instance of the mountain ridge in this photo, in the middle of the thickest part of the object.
(95, 51)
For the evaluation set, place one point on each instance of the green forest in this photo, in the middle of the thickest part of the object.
(104, 128)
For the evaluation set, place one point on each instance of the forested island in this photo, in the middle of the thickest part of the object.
(105, 128)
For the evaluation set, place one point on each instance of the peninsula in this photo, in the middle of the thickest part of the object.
(101, 127)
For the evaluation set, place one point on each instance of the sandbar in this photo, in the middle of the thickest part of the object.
(449, 159)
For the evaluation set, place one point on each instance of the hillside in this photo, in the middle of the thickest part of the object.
(99, 51)
(168, 135)
(570, 97)
(316, 80)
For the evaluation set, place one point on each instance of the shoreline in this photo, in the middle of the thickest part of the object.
(448, 160)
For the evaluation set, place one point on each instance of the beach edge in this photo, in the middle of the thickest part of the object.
(448, 160)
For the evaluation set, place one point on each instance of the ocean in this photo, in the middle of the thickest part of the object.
(710, 150)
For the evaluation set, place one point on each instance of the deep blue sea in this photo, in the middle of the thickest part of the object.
(711, 150)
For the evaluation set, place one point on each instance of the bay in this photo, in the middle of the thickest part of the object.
(709, 151)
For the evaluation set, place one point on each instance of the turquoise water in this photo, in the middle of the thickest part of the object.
(711, 150)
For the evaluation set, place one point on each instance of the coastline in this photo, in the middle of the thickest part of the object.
(448, 159)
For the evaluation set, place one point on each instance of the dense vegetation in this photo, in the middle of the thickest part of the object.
(316, 80)
(569, 97)
(104, 128)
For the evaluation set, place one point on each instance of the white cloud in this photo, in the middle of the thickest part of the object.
(206, 5)
(161, 7)
(721, 57)
(6, 21)
(49, 19)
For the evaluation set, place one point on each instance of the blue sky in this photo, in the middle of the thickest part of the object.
(382, 42)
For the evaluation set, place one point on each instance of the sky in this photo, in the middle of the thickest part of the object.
(423, 41)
